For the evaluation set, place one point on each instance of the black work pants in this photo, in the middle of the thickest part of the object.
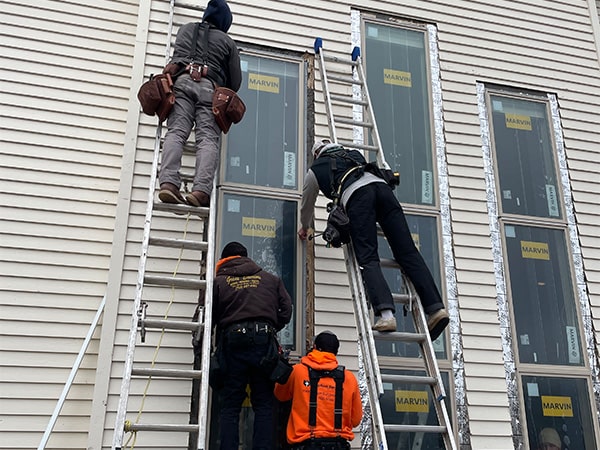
(376, 203)
(243, 367)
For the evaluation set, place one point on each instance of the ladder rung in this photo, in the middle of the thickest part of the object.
(350, 100)
(166, 373)
(181, 209)
(415, 428)
(177, 282)
(356, 123)
(345, 80)
(189, 428)
(351, 144)
(409, 379)
(336, 59)
(170, 324)
(401, 298)
(399, 336)
(188, 177)
(179, 243)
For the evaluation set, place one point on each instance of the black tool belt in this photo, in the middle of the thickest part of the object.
(323, 444)
(250, 327)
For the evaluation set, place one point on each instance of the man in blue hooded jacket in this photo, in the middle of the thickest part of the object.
(194, 89)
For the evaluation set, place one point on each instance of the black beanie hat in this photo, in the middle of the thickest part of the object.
(326, 341)
(234, 249)
(218, 13)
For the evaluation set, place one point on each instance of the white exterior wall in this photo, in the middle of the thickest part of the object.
(76, 155)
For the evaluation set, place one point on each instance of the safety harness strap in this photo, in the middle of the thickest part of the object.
(314, 376)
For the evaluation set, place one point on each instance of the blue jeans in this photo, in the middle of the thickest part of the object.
(242, 369)
(376, 203)
(193, 106)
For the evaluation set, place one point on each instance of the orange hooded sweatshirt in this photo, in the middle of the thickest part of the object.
(297, 389)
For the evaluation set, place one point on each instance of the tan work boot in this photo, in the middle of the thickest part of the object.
(437, 322)
(385, 324)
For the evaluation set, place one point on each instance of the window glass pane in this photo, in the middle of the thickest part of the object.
(524, 154)
(411, 404)
(398, 86)
(425, 235)
(262, 149)
(559, 410)
(267, 228)
(542, 296)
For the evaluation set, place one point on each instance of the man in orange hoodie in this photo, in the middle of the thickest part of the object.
(319, 376)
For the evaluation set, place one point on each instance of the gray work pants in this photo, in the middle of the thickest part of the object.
(193, 105)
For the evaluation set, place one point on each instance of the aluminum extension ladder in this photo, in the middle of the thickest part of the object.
(349, 108)
(203, 221)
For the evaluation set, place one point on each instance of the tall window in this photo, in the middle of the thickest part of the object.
(399, 80)
(546, 327)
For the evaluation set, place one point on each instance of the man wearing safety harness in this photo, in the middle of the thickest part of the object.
(368, 200)
(204, 56)
(325, 399)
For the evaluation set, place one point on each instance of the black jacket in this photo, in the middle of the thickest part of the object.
(245, 292)
(330, 167)
(223, 56)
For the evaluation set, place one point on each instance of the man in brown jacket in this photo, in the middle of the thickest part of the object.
(249, 307)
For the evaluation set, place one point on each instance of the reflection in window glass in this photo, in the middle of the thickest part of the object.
(542, 295)
(558, 413)
(524, 153)
(262, 149)
(398, 85)
(267, 228)
(411, 404)
(425, 235)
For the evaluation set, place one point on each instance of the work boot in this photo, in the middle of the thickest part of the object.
(385, 324)
(437, 322)
(169, 193)
(198, 198)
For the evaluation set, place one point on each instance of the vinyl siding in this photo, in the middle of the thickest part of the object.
(72, 197)
(64, 84)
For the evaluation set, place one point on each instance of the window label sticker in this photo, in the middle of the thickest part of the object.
(427, 186)
(233, 205)
(510, 231)
(412, 401)
(557, 406)
(397, 77)
(552, 201)
(535, 250)
(289, 169)
(573, 345)
(517, 122)
(263, 83)
(533, 390)
(257, 227)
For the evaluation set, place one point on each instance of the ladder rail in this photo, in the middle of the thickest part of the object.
(326, 94)
(207, 335)
(71, 378)
(381, 162)
(370, 359)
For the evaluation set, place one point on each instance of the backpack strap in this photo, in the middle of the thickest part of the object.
(314, 376)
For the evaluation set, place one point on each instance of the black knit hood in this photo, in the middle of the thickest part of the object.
(217, 13)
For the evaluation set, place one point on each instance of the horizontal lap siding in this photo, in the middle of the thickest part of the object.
(64, 84)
